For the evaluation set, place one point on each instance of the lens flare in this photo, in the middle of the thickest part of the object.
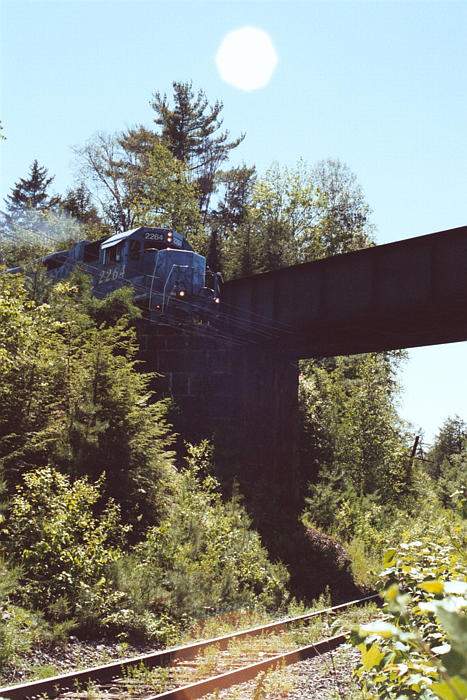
(246, 58)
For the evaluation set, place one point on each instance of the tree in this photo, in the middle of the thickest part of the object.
(278, 224)
(63, 538)
(225, 221)
(70, 396)
(296, 215)
(213, 258)
(450, 441)
(30, 193)
(344, 214)
(166, 197)
(237, 184)
(191, 129)
(138, 181)
(78, 204)
(104, 168)
(32, 224)
(446, 463)
(204, 554)
(354, 438)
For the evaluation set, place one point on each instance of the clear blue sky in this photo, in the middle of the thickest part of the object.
(381, 86)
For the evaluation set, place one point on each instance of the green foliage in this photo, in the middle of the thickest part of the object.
(446, 463)
(19, 628)
(77, 203)
(63, 538)
(70, 396)
(30, 193)
(365, 489)
(113, 170)
(344, 214)
(353, 435)
(167, 197)
(203, 557)
(449, 441)
(289, 216)
(418, 650)
(191, 129)
(279, 223)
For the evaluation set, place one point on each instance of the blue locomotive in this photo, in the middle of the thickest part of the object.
(159, 263)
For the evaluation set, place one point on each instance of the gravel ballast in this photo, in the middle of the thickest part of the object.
(325, 677)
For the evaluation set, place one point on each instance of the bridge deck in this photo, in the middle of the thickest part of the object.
(399, 295)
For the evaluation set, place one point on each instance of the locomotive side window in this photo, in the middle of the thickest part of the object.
(114, 254)
(91, 252)
(135, 248)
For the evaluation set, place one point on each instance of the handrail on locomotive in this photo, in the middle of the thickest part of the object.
(159, 263)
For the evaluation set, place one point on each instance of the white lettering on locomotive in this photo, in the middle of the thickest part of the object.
(113, 273)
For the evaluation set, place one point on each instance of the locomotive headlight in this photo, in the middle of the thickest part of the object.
(217, 300)
(181, 293)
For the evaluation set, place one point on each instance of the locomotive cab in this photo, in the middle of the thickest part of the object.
(138, 245)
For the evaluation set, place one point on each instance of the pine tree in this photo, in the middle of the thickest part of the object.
(31, 193)
(192, 131)
(78, 204)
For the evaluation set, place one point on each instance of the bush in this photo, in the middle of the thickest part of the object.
(63, 538)
(202, 559)
(419, 649)
(19, 628)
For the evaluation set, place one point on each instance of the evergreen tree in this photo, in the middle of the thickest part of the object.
(30, 193)
(231, 211)
(70, 396)
(78, 204)
(191, 128)
(450, 441)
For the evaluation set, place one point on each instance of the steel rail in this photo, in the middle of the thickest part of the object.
(110, 671)
(247, 673)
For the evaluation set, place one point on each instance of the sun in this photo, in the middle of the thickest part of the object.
(246, 58)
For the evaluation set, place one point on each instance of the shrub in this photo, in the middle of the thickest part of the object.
(419, 649)
(203, 557)
(19, 629)
(63, 538)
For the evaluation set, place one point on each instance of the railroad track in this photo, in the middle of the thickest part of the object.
(194, 669)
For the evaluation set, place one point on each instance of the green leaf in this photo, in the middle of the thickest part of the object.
(455, 662)
(389, 557)
(455, 689)
(435, 587)
(372, 657)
